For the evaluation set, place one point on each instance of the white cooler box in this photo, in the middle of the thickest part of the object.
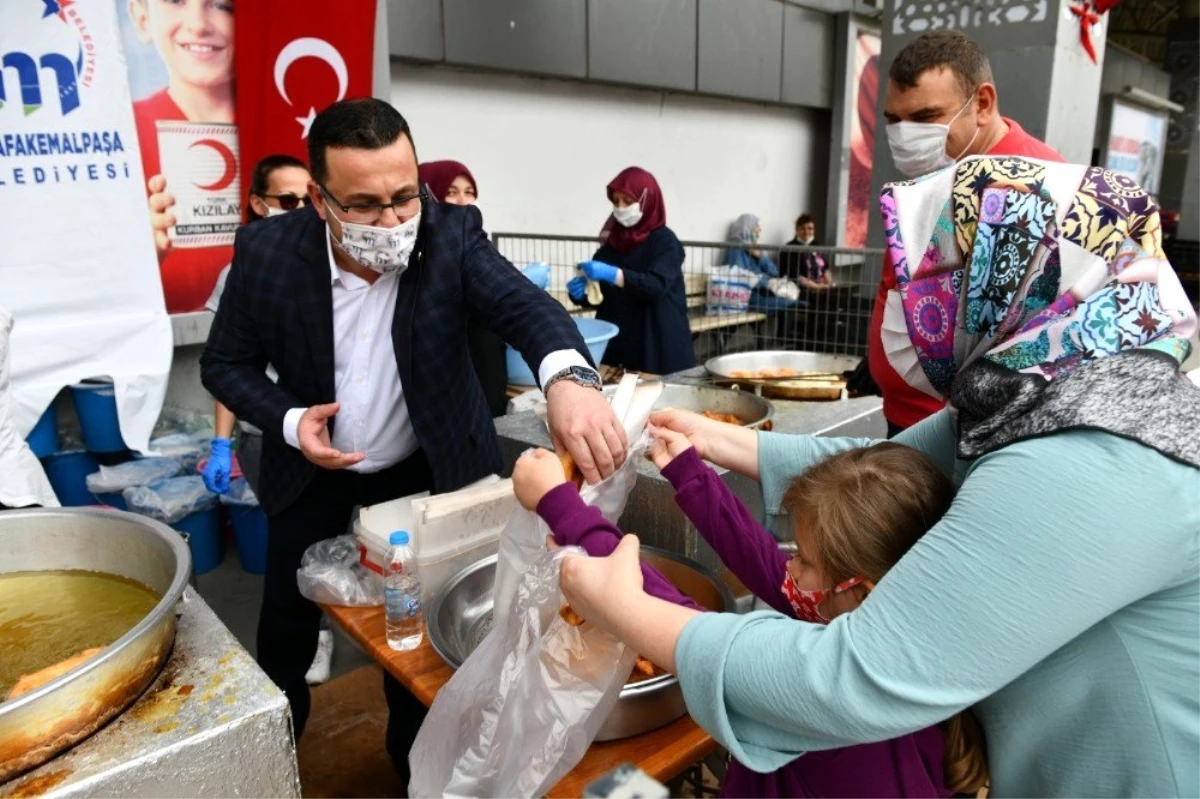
(448, 531)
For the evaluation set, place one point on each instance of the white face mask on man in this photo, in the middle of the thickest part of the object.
(381, 249)
(919, 148)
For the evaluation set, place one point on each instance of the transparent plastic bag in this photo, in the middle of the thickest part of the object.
(331, 574)
(523, 540)
(240, 494)
(170, 500)
(187, 448)
(526, 705)
(139, 472)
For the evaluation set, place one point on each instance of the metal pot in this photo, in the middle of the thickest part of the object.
(753, 410)
(461, 616)
(37, 726)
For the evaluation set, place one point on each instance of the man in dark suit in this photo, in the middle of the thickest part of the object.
(361, 303)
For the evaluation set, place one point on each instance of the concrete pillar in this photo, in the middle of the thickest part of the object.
(1044, 79)
(1181, 179)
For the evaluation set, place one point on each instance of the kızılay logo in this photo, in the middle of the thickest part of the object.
(70, 71)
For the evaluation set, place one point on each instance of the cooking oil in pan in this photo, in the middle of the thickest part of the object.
(49, 616)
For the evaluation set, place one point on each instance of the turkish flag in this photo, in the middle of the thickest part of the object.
(294, 58)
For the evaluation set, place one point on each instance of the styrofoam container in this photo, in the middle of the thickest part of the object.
(449, 531)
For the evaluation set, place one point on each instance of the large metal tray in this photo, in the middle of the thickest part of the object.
(460, 616)
(64, 711)
(804, 363)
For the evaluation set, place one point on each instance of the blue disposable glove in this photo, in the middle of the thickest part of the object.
(539, 273)
(219, 466)
(577, 288)
(600, 271)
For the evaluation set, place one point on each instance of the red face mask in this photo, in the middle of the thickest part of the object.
(807, 603)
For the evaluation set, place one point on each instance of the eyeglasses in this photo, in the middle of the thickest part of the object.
(369, 213)
(289, 202)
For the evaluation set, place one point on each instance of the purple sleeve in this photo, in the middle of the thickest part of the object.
(575, 523)
(740, 541)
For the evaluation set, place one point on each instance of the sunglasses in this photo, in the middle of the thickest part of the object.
(289, 202)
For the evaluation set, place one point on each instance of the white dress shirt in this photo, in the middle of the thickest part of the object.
(373, 414)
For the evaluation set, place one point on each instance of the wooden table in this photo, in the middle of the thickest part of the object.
(663, 753)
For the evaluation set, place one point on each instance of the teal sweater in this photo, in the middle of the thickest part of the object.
(1059, 595)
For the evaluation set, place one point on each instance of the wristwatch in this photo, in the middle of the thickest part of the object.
(583, 375)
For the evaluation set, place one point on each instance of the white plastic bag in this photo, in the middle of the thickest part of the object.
(330, 573)
(729, 290)
(526, 705)
(784, 288)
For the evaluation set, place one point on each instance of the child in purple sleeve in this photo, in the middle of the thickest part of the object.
(541, 486)
(855, 514)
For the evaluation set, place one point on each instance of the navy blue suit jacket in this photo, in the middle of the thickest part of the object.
(277, 308)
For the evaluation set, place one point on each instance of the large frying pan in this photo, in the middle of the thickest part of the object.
(819, 376)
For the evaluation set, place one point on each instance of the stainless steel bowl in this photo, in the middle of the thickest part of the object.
(461, 616)
(753, 410)
(40, 724)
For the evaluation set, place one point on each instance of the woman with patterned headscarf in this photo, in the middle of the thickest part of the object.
(639, 268)
(1058, 594)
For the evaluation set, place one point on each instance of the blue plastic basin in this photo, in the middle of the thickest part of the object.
(596, 334)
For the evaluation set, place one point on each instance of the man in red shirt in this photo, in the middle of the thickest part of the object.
(941, 106)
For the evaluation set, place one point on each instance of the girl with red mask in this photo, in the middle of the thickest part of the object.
(853, 515)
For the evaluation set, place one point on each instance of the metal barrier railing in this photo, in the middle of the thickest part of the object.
(832, 320)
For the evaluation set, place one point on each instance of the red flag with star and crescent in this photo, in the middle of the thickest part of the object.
(293, 59)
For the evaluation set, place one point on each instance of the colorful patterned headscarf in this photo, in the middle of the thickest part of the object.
(1013, 274)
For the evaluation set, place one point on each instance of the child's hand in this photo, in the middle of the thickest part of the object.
(161, 218)
(535, 474)
(668, 445)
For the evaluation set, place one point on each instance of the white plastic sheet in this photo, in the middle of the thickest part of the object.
(526, 705)
(78, 269)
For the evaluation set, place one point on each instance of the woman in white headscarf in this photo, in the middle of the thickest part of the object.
(747, 253)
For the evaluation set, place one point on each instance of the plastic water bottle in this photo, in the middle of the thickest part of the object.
(402, 595)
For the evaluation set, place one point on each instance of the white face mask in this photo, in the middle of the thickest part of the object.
(919, 148)
(628, 216)
(273, 211)
(381, 249)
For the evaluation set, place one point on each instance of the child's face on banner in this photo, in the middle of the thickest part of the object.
(193, 37)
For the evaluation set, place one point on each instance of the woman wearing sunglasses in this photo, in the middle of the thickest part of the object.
(279, 184)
